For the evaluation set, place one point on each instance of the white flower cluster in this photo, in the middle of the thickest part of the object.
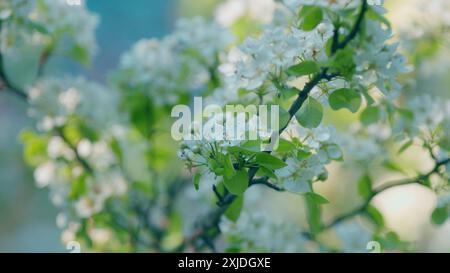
(254, 65)
(317, 150)
(177, 64)
(231, 11)
(54, 101)
(195, 204)
(258, 232)
(334, 5)
(77, 103)
(68, 180)
(47, 21)
(363, 145)
(429, 119)
(378, 63)
(214, 137)
(259, 60)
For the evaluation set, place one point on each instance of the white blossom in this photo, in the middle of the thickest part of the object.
(56, 17)
(258, 232)
(229, 12)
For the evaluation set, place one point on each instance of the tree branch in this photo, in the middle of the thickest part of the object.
(80, 159)
(265, 181)
(355, 29)
(421, 179)
(6, 85)
(212, 225)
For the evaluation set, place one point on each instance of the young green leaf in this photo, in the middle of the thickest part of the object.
(303, 69)
(370, 115)
(405, 146)
(269, 161)
(375, 215)
(343, 63)
(376, 16)
(365, 186)
(288, 92)
(249, 147)
(440, 215)
(196, 180)
(267, 172)
(345, 98)
(228, 167)
(311, 114)
(319, 199)
(81, 55)
(312, 16)
(393, 166)
(234, 210)
(313, 214)
(238, 183)
(284, 117)
(285, 146)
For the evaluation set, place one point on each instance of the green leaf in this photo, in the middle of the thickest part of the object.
(288, 92)
(220, 188)
(249, 147)
(302, 154)
(267, 172)
(234, 210)
(405, 113)
(269, 161)
(35, 147)
(228, 167)
(375, 215)
(80, 54)
(312, 16)
(345, 98)
(328, 47)
(21, 64)
(393, 166)
(365, 186)
(311, 114)
(440, 215)
(369, 100)
(238, 183)
(405, 146)
(78, 187)
(313, 214)
(303, 69)
(370, 115)
(319, 199)
(284, 117)
(378, 17)
(343, 63)
(196, 180)
(285, 146)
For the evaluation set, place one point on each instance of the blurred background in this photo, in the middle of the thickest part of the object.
(27, 218)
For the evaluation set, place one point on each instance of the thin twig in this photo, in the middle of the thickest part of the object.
(420, 179)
